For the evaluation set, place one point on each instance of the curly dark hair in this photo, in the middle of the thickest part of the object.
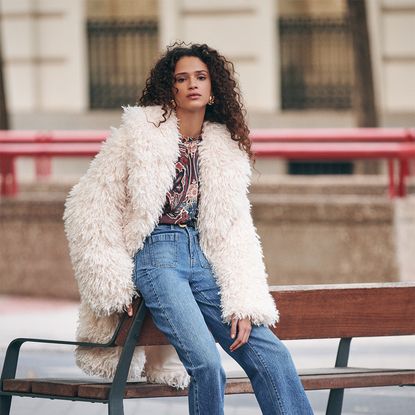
(227, 108)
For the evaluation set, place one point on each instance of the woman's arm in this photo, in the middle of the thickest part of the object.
(93, 226)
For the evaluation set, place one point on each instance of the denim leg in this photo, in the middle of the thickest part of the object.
(264, 358)
(162, 275)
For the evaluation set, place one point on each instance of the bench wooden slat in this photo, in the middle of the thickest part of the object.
(346, 312)
(333, 371)
(48, 386)
(153, 390)
(57, 387)
(312, 379)
(359, 380)
(17, 385)
(330, 377)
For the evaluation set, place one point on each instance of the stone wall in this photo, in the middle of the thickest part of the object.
(311, 240)
(34, 258)
(309, 233)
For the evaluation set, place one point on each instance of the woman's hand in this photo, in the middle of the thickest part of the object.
(244, 330)
(130, 310)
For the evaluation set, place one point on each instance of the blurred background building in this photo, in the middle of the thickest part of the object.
(71, 64)
(77, 56)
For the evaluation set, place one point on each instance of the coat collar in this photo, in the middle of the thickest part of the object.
(224, 169)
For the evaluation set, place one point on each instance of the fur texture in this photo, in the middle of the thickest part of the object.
(116, 205)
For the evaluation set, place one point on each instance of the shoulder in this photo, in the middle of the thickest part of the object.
(220, 135)
(219, 145)
(136, 115)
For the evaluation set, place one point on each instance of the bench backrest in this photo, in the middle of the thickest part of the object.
(330, 311)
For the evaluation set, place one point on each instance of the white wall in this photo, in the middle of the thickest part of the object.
(244, 31)
(46, 68)
(392, 30)
(44, 51)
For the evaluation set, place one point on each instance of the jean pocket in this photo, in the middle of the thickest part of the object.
(163, 250)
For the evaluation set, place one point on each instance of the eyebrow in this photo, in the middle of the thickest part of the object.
(185, 73)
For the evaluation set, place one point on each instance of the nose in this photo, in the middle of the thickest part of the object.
(192, 82)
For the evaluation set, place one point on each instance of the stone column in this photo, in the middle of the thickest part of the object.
(405, 237)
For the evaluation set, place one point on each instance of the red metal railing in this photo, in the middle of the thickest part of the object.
(394, 145)
(334, 135)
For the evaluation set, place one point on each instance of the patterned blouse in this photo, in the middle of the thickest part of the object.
(181, 204)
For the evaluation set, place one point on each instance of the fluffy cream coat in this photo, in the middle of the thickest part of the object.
(116, 205)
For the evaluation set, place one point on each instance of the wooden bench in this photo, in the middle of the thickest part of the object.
(308, 312)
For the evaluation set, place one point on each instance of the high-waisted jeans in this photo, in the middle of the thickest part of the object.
(179, 289)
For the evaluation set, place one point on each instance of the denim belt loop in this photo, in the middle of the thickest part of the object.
(192, 223)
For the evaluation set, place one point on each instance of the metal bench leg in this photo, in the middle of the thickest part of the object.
(9, 372)
(5, 404)
(116, 394)
(335, 402)
(115, 407)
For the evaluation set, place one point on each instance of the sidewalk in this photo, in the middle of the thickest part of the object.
(36, 317)
(56, 319)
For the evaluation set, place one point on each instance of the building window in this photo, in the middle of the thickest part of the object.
(122, 46)
(316, 62)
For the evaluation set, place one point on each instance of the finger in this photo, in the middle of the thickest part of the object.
(238, 342)
(246, 337)
(233, 328)
(245, 333)
(236, 345)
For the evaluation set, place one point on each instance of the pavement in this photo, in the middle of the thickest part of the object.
(56, 319)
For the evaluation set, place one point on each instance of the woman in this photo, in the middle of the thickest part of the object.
(163, 213)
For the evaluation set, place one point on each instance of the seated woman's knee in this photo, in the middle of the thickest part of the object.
(209, 363)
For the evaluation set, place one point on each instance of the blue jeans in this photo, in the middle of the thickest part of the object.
(179, 289)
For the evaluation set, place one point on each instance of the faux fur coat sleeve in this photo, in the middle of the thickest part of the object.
(93, 226)
(248, 253)
(259, 307)
(230, 240)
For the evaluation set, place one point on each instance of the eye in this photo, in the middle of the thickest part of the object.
(202, 76)
(179, 79)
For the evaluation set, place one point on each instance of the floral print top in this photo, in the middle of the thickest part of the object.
(181, 204)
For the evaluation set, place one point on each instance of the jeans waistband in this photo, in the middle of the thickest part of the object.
(191, 224)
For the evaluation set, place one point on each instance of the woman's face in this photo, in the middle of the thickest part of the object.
(191, 84)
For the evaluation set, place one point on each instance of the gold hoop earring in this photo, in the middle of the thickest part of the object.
(173, 103)
(211, 100)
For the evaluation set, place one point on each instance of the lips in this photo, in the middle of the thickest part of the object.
(193, 95)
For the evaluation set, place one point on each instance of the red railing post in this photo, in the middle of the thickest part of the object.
(9, 186)
(43, 164)
(391, 174)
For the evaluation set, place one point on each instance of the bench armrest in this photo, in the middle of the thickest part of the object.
(19, 341)
(13, 350)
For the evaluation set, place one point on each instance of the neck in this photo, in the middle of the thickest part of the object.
(190, 123)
